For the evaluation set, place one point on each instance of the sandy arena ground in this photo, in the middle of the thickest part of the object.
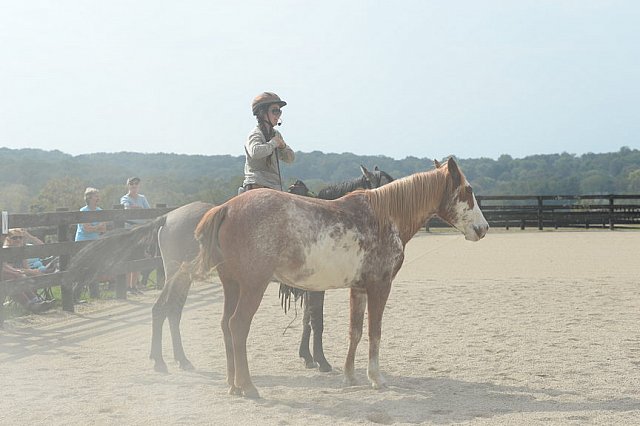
(521, 328)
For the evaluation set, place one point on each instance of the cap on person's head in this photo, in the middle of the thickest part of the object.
(133, 180)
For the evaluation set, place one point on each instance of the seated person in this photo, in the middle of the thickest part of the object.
(17, 237)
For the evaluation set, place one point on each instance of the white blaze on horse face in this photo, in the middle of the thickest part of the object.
(334, 260)
(470, 221)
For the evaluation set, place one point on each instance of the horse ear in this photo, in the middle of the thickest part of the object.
(454, 171)
(366, 173)
(437, 163)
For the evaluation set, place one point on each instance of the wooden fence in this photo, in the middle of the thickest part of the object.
(60, 224)
(558, 211)
(500, 211)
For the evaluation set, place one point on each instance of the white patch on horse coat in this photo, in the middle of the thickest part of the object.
(334, 260)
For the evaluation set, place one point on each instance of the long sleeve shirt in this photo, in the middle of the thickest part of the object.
(260, 166)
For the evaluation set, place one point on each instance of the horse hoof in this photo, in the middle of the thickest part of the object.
(186, 365)
(235, 391)
(160, 367)
(251, 393)
(324, 367)
(378, 384)
(310, 364)
(350, 381)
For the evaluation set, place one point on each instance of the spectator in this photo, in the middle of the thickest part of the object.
(90, 231)
(133, 200)
(18, 237)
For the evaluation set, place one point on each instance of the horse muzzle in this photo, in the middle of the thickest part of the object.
(478, 233)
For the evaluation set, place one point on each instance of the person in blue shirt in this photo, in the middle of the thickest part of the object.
(90, 231)
(134, 200)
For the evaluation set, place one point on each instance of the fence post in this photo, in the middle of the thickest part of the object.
(539, 213)
(65, 292)
(121, 280)
(611, 212)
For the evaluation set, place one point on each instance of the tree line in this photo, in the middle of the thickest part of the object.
(35, 180)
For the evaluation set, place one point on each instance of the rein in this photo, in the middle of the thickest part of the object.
(278, 166)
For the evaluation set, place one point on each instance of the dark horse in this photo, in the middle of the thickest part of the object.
(354, 242)
(173, 232)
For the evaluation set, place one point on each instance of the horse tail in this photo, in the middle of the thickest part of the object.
(98, 258)
(207, 234)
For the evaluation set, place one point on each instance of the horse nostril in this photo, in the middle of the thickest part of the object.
(481, 230)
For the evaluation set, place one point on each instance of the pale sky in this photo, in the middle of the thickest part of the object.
(397, 78)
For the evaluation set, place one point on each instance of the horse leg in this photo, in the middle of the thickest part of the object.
(358, 302)
(170, 304)
(377, 299)
(230, 302)
(158, 315)
(304, 351)
(315, 304)
(180, 292)
(239, 324)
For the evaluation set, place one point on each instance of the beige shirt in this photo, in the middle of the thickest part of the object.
(260, 166)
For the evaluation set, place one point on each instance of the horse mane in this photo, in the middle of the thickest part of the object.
(337, 190)
(406, 201)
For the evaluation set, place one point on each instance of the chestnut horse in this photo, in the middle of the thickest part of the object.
(354, 242)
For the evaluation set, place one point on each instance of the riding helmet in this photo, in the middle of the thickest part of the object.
(265, 98)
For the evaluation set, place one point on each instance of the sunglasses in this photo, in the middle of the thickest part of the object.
(276, 111)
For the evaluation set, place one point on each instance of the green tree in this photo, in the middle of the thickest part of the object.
(634, 182)
(14, 198)
(61, 192)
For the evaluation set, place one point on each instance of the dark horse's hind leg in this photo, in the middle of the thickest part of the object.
(170, 305)
(313, 318)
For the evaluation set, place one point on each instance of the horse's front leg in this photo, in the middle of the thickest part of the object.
(315, 305)
(239, 325)
(377, 299)
(358, 302)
